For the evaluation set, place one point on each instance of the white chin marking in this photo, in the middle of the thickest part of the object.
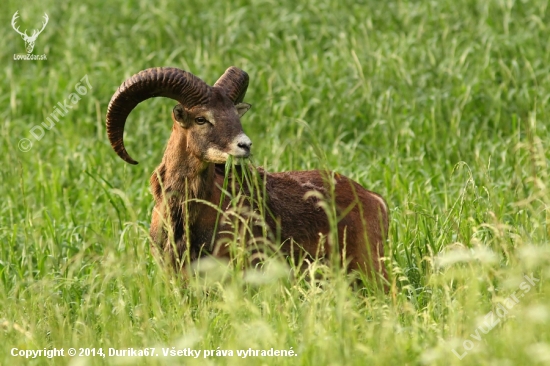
(216, 156)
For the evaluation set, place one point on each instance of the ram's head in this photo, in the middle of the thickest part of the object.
(206, 117)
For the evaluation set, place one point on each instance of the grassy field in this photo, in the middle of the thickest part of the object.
(440, 106)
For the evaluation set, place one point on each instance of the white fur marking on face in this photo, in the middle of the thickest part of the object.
(236, 150)
(216, 156)
(210, 117)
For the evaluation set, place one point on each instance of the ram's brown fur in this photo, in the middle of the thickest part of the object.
(187, 187)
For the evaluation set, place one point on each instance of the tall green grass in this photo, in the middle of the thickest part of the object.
(439, 106)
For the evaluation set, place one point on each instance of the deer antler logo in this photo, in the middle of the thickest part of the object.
(29, 40)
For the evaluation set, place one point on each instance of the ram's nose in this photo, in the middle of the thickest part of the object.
(245, 146)
(241, 146)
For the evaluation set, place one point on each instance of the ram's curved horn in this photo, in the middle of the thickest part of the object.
(169, 82)
(234, 82)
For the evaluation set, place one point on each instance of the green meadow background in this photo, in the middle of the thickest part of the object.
(440, 106)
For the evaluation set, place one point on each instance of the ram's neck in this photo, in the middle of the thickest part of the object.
(181, 175)
(178, 184)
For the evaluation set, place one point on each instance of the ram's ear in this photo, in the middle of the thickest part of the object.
(179, 115)
(242, 108)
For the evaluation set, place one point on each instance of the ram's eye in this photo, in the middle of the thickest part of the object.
(201, 120)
